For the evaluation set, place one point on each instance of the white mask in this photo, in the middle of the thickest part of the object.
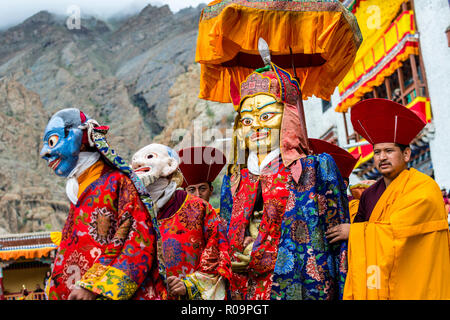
(152, 164)
(154, 161)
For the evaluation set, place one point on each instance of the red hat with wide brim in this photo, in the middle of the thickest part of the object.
(382, 120)
(344, 160)
(200, 164)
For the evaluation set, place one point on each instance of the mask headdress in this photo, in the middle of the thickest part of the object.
(90, 133)
(280, 84)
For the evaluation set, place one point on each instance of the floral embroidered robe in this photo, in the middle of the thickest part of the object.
(291, 258)
(108, 244)
(195, 248)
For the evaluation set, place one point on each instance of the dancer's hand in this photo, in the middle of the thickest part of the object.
(242, 265)
(338, 233)
(81, 294)
(176, 286)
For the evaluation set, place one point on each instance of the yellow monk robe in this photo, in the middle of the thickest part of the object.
(353, 209)
(402, 252)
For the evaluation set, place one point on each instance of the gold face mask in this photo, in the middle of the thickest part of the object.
(260, 123)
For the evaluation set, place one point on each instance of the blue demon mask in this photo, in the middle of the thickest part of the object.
(62, 141)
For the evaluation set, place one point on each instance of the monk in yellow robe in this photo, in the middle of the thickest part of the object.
(399, 241)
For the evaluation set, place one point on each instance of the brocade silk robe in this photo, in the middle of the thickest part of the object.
(195, 247)
(291, 258)
(108, 244)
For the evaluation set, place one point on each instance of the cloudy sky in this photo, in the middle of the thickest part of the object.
(13, 12)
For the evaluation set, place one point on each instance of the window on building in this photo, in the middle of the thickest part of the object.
(407, 73)
(325, 105)
(405, 84)
(394, 85)
(381, 92)
(368, 95)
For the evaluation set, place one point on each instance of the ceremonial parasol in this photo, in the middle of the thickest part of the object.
(316, 41)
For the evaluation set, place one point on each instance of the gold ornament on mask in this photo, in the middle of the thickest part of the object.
(259, 124)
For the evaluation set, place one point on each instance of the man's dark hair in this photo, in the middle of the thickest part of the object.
(402, 146)
(209, 184)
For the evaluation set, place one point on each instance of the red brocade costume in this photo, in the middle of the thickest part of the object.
(284, 207)
(108, 244)
(264, 255)
(194, 245)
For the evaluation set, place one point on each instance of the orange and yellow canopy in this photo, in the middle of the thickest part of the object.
(320, 38)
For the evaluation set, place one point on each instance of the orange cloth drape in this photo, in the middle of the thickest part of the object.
(90, 175)
(402, 252)
(353, 206)
(306, 28)
(25, 253)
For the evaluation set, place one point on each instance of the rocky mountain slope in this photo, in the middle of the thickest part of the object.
(136, 75)
(31, 198)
